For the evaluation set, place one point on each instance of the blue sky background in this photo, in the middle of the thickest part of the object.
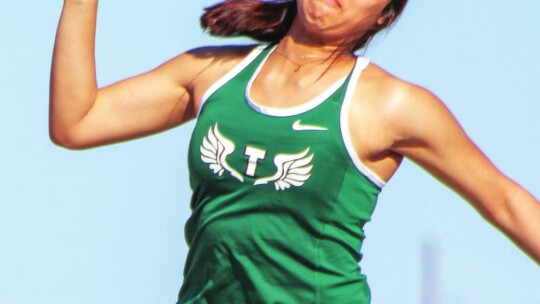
(106, 225)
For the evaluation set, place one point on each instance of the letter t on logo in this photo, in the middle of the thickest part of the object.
(254, 155)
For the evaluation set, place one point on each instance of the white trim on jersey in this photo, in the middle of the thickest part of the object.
(361, 64)
(290, 111)
(231, 74)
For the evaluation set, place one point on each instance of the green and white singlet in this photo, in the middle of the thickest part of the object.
(279, 200)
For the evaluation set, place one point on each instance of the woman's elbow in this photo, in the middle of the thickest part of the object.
(508, 212)
(65, 139)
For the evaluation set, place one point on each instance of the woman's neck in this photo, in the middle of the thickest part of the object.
(299, 44)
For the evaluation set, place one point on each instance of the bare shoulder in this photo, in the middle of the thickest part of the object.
(393, 93)
(402, 107)
(221, 53)
(198, 69)
(187, 68)
(214, 58)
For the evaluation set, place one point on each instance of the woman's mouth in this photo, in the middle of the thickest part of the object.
(334, 3)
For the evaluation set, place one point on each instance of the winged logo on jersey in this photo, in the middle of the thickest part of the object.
(214, 151)
(292, 169)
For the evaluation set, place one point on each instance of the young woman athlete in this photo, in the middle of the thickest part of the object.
(294, 140)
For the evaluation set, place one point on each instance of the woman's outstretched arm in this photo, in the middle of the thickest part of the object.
(83, 116)
(427, 133)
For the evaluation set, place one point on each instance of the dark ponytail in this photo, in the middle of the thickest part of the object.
(270, 20)
(265, 21)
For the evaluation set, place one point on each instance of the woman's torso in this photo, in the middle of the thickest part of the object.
(279, 199)
(371, 102)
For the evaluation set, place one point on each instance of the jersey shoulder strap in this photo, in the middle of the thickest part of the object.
(232, 73)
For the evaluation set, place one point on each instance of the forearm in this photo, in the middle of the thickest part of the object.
(520, 220)
(73, 86)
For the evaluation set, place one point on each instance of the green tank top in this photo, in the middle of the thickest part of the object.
(279, 200)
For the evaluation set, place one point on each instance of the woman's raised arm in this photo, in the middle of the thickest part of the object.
(427, 133)
(83, 116)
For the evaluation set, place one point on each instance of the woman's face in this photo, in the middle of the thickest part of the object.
(335, 21)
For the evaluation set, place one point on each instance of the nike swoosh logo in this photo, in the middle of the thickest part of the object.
(298, 126)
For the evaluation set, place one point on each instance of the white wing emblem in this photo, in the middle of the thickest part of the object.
(292, 169)
(214, 151)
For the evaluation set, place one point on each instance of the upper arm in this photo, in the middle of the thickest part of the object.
(137, 106)
(427, 133)
(154, 101)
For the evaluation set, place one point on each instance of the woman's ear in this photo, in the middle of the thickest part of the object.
(386, 19)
